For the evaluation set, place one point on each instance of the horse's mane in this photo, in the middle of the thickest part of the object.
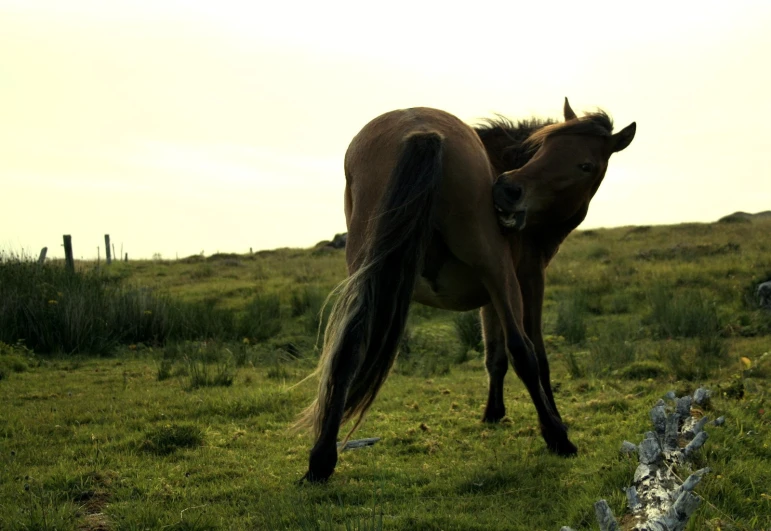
(505, 140)
(510, 145)
(595, 123)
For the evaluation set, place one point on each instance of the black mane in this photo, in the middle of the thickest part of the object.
(505, 140)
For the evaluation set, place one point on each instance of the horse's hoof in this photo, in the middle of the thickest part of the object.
(565, 448)
(310, 477)
(493, 415)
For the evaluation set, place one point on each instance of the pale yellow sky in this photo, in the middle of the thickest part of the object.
(180, 126)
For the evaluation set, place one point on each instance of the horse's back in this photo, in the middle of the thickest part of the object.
(375, 150)
(464, 219)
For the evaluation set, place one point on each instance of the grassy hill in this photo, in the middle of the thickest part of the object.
(182, 418)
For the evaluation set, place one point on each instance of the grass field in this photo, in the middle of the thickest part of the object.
(189, 429)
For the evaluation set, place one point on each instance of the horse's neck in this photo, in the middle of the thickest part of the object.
(549, 238)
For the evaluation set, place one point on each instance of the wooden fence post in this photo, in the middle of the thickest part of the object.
(42, 258)
(69, 262)
(107, 253)
(126, 259)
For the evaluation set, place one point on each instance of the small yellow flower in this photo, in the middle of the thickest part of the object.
(246, 341)
(53, 301)
(746, 362)
(148, 312)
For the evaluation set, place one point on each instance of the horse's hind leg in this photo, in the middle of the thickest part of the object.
(323, 457)
(496, 363)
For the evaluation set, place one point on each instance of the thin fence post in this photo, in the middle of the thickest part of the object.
(126, 259)
(98, 256)
(107, 254)
(42, 258)
(69, 261)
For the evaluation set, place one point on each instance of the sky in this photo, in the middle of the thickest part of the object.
(181, 127)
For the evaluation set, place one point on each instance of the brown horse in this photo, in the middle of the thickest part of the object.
(428, 221)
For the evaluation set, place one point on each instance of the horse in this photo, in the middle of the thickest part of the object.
(452, 216)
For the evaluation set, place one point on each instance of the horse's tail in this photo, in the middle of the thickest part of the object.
(369, 316)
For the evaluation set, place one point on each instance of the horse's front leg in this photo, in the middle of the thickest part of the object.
(531, 282)
(504, 290)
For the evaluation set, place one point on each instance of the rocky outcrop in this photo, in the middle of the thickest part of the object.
(338, 242)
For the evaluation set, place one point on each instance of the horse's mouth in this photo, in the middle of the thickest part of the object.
(511, 220)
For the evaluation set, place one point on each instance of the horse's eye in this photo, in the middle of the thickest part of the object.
(586, 166)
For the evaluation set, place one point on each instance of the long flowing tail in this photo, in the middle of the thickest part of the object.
(367, 320)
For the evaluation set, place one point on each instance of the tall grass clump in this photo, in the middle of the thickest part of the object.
(425, 351)
(468, 328)
(262, 317)
(203, 363)
(168, 438)
(692, 319)
(682, 314)
(91, 312)
(307, 303)
(571, 318)
(201, 320)
(613, 349)
(53, 310)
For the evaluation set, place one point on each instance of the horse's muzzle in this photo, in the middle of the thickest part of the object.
(507, 200)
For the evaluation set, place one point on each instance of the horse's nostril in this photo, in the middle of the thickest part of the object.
(514, 192)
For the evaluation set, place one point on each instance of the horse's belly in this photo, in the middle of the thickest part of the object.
(455, 287)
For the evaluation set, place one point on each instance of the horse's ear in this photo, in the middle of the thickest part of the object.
(623, 138)
(568, 112)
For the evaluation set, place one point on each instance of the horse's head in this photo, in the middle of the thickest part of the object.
(560, 180)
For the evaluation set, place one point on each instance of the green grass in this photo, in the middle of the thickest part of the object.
(127, 440)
